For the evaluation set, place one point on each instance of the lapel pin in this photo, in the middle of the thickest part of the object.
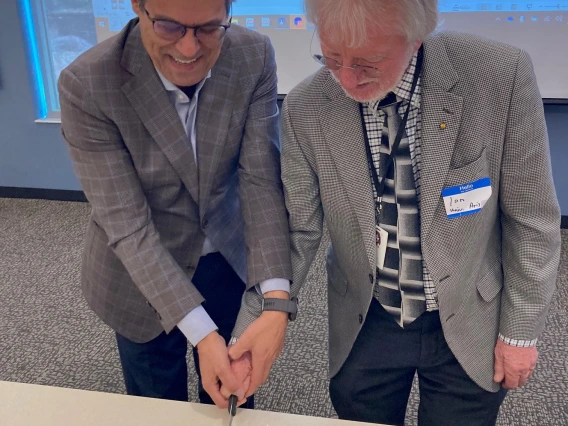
(443, 126)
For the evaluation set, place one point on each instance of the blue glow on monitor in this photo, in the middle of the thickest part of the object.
(34, 57)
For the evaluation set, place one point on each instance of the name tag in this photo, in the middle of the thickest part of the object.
(469, 198)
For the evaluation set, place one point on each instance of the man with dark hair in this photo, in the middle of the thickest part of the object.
(172, 130)
(228, 3)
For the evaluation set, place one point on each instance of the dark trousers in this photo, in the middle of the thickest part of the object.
(158, 368)
(375, 382)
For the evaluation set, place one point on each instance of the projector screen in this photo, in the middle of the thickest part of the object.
(540, 27)
(59, 30)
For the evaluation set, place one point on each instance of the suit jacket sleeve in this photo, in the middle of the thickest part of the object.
(260, 186)
(530, 215)
(301, 193)
(260, 191)
(109, 179)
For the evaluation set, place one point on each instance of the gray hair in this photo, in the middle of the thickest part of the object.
(228, 4)
(349, 21)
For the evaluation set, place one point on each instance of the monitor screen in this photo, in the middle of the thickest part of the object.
(60, 30)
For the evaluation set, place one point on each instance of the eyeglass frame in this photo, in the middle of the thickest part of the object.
(185, 27)
(322, 60)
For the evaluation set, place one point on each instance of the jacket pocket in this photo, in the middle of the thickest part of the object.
(471, 172)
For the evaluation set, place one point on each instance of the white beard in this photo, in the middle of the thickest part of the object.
(380, 93)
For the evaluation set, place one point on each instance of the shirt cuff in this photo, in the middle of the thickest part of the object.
(518, 343)
(274, 284)
(196, 325)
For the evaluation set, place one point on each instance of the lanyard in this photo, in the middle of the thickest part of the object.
(380, 184)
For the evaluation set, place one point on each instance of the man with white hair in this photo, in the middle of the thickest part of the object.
(427, 156)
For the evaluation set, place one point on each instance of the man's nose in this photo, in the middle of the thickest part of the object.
(188, 45)
(348, 77)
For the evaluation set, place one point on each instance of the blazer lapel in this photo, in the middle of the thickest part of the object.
(214, 111)
(344, 134)
(441, 119)
(148, 98)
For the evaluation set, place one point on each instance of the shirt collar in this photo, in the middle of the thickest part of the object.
(402, 89)
(170, 87)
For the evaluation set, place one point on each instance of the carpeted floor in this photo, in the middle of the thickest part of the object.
(49, 336)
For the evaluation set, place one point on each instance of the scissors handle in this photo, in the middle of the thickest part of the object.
(233, 405)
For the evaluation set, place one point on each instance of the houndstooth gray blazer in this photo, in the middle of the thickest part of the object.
(494, 271)
(152, 207)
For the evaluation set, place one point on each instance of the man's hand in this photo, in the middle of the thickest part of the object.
(215, 367)
(513, 365)
(264, 339)
(241, 368)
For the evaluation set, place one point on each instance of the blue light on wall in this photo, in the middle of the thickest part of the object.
(33, 55)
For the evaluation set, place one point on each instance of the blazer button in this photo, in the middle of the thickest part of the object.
(360, 319)
(205, 223)
(371, 278)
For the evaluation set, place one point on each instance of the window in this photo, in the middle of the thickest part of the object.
(60, 30)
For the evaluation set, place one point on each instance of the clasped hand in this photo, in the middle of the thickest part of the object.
(220, 376)
(241, 368)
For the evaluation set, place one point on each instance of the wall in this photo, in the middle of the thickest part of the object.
(34, 156)
(31, 155)
(557, 121)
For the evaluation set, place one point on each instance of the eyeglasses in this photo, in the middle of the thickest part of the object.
(334, 65)
(173, 31)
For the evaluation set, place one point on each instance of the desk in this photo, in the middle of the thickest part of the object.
(30, 405)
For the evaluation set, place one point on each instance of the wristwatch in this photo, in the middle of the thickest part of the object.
(282, 305)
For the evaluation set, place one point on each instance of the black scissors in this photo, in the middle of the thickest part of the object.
(232, 408)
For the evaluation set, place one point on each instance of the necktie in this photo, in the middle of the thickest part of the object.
(399, 287)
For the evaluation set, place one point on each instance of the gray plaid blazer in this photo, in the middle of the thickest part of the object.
(152, 207)
(494, 271)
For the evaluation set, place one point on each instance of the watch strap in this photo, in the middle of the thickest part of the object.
(281, 305)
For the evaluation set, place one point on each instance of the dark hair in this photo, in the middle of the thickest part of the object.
(228, 4)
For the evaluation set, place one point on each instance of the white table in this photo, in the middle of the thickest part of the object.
(29, 405)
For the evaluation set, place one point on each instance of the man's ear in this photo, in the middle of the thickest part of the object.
(136, 7)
